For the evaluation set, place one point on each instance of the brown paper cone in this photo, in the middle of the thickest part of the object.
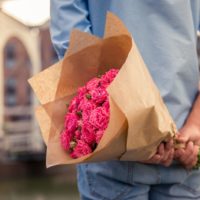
(139, 120)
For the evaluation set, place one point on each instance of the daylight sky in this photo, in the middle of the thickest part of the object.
(29, 12)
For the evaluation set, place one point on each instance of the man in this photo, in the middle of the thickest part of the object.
(165, 33)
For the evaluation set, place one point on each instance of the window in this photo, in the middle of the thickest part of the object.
(10, 56)
(10, 92)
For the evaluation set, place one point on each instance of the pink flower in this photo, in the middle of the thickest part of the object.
(108, 77)
(65, 139)
(80, 149)
(93, 83)
(87, 117)
(99, 118)
(106, 105)
(82, 90)
(73, 104)
(80, 123)
(111, 74)
(81, 93)
(71, 122)
(88, 133)
(99, 135)
(77, 134)
(99, 95)
(86, 105)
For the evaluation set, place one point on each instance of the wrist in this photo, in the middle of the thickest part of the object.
(191, 124)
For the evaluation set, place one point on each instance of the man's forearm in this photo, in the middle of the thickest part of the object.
(194, 116)
(190, 135)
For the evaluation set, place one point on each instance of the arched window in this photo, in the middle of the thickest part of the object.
(17, 92)
(10, 92)
(10, 55)
(17, 67)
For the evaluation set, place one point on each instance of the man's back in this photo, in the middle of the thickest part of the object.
(165, 32)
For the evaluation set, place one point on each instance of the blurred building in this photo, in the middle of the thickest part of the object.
(24, 51)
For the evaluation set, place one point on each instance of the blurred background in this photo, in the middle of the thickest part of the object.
(26, 49)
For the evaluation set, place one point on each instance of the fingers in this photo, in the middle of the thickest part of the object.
(188, 156)
(168, 160)
(181, 138)
(164, 155)
(187, 152)
(168, 155)
(161, 150)
(191, 160)
(170, 144)
(155, 159)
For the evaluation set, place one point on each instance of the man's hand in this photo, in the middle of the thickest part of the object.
(190, 136)
(164, 154)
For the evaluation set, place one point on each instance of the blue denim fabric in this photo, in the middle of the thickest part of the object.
(115, 180)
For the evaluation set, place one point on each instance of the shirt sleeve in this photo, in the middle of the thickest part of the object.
(66, 15)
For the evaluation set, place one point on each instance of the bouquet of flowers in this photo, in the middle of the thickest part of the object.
(115, 111)
(87, 117)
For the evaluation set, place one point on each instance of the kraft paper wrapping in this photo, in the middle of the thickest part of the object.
(139, 120)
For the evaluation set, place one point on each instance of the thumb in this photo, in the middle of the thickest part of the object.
(182, 136)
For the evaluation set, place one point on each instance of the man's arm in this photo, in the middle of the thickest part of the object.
(194, 117)
(66, 15)
(190, 135)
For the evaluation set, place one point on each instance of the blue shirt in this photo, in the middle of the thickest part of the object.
(165, 33)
